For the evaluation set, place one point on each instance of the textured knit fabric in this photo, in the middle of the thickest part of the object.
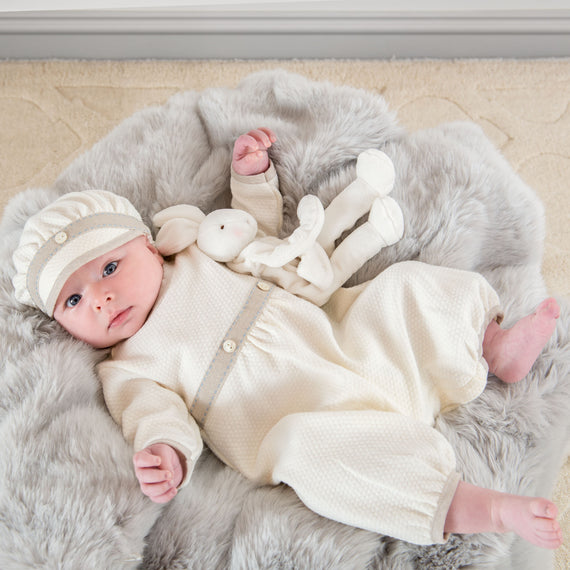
(338, 402)
(259, 195)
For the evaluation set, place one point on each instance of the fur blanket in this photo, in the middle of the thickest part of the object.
(69, 498)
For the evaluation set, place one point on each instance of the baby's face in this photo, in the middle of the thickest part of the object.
(108, 299)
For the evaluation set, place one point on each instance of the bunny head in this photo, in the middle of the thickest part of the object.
(221, 235)
(224, 233)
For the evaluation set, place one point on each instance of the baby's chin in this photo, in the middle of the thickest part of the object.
(108, 341)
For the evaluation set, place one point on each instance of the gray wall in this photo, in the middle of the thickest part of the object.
(357, 29)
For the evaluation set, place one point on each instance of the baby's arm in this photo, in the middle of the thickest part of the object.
(254, 183)
(149, 413)
(159, 469)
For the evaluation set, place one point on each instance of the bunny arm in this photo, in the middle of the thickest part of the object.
(311, 218)
(318, 269)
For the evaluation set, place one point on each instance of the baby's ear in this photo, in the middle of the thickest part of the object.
(154, 249)
(178, 228)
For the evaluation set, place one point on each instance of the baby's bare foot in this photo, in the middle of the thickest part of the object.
(511, 353)
(531, 518)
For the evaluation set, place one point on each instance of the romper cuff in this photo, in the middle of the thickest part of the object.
(447, 494)
(188, 470)
(189, 456)
(260, 178)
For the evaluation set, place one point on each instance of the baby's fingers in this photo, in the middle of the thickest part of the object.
(246, 143)
(144, 458)
(165, 497)
(264, 136)
(159, 492)
(272, 136)
(153, 475)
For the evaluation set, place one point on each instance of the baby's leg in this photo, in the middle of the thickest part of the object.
(510, 353)
(474, 509)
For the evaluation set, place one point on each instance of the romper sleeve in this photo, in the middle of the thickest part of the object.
(150, 413)
(259, 195)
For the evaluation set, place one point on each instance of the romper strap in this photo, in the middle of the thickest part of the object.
(228, 352)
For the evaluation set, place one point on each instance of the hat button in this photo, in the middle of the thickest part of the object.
(60, 237)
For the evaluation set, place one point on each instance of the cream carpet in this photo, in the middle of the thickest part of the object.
(51, 112)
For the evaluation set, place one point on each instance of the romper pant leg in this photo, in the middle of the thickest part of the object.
(418, 329)
(379, 471)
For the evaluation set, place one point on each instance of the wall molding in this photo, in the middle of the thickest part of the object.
(280, 34)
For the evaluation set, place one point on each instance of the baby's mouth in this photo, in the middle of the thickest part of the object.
(117, 319)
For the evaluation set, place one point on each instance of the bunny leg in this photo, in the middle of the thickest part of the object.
(375, 178)
(387, 218)
(376, 169)
(384, 227)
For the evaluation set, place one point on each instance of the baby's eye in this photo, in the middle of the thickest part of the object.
(73, 300)
(110, 268)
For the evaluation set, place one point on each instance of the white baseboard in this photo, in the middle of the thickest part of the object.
(283, 35)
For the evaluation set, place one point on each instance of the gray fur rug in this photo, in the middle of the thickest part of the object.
(69, 498)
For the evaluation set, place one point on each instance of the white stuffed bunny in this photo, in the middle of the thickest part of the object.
(307, 262)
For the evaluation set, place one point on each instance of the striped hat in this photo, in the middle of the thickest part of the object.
(68, 233)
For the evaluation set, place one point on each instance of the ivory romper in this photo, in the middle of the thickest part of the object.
(336, 401)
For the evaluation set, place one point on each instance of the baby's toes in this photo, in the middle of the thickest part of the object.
(544, 508)
(546, 527)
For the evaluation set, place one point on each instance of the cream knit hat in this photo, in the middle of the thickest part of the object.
(68, 233)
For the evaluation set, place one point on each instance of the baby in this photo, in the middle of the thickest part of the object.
(338, 402)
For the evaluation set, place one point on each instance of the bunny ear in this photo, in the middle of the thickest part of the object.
(178, 227)
(175, 235)
(183, 211)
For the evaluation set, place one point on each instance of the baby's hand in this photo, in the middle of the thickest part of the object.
(159, 472)
(250, 151)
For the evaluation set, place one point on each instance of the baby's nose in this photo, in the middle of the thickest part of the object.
(101, 299)
(102, 302)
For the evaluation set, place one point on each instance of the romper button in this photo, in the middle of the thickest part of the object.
(229, 346)
(263, 286)
(60, 237)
